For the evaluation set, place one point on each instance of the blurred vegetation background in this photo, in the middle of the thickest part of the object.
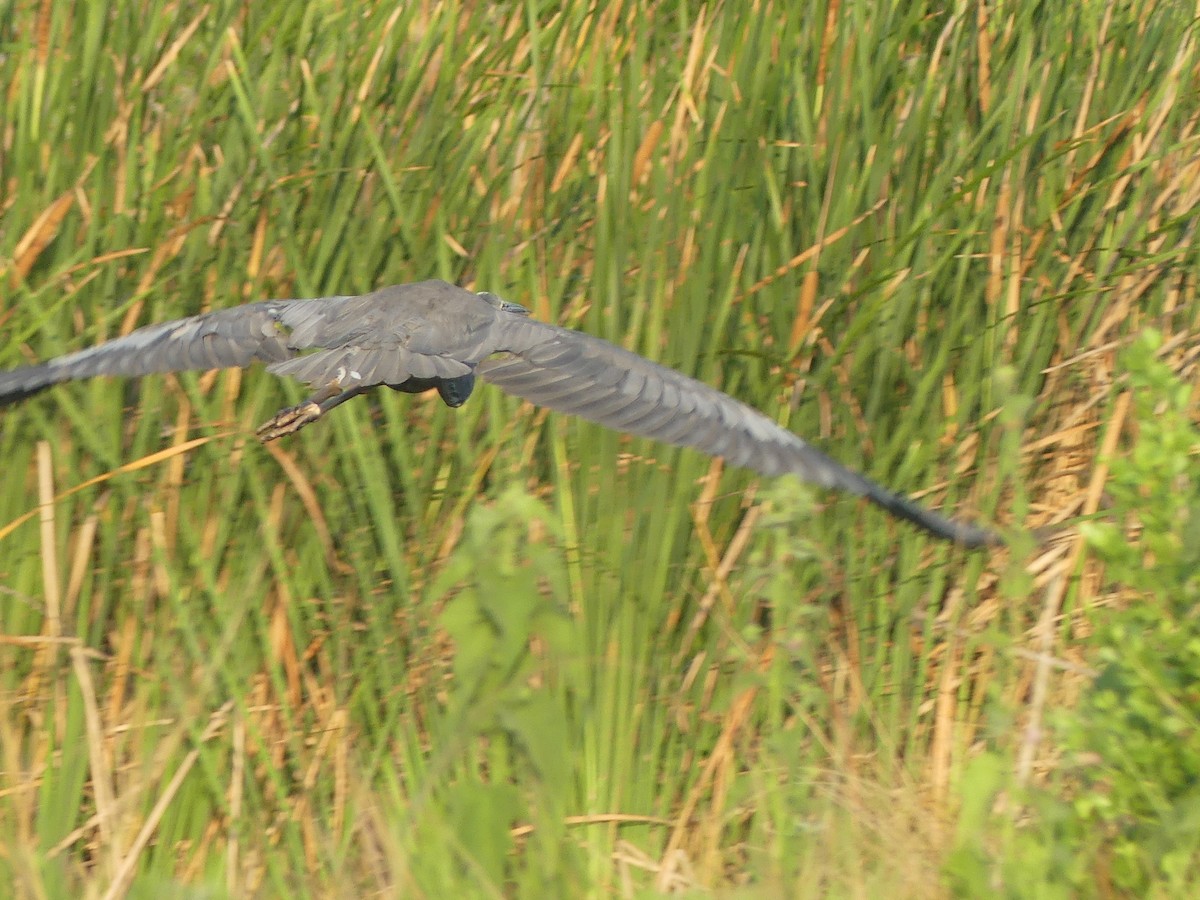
(502, 653)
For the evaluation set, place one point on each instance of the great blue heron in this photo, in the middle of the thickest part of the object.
(436, 336)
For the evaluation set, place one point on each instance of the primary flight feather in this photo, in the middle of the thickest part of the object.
(436, 336)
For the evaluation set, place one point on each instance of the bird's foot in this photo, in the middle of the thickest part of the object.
(290, 420)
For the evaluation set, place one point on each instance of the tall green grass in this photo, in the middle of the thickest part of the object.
(498, 652)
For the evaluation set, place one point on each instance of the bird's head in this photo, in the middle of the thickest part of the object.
(503, 305)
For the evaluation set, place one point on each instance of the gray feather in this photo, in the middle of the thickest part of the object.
(433, 335)
(576, 373)
(227, 338)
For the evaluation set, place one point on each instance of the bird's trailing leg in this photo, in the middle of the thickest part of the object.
(292, 419)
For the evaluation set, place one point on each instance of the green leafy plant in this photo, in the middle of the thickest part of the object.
(1136, 734)
(514, 674)
(1122, 813)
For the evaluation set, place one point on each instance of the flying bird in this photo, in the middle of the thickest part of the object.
(436, 336)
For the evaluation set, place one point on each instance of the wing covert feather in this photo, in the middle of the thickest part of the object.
(576, 373)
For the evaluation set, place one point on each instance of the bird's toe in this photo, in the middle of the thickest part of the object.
(289, 421)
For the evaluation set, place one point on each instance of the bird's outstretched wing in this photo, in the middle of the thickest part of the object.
(222, 339)
(573, 372)
(359, 341)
